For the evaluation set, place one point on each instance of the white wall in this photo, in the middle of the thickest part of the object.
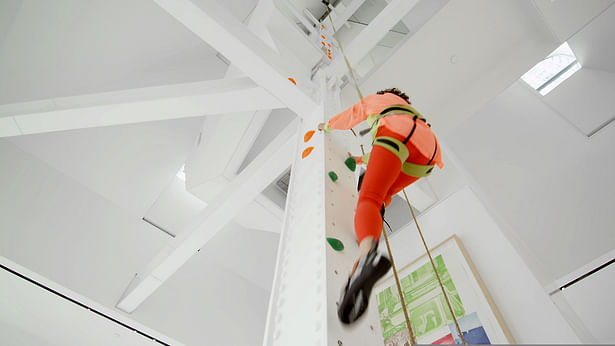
(547, 180)
(31, 315)
(525, 306)
(207, 303)
(591, 305)
(54, 226)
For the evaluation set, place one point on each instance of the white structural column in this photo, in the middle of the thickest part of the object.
(244, 49)
(341, 202)
(135, 105)
(270, 164)
(298, 305)
(372, 34)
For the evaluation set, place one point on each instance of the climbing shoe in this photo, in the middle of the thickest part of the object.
(355, 296)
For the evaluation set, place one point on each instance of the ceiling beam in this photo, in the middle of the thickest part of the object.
(218, 28)
(341, 16)
(134, 106)
(267, 166)
(369, 37)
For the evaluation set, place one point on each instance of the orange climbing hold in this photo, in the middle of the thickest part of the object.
(307, 152)
(308, 135)
(329, 44)
(323, 43)
(323, 37)
(292, 80)
(322, 26)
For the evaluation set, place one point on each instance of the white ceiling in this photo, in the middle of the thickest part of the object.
(72, 47)
(593, 45)
(129, 165)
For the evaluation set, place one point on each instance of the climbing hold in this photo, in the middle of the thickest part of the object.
(323, 43)
(336, 244)
(307, 152)
(292, 80)
(329, 44)
(308, 135)
(323, 37)
(351, 164)
(322, 26)
(333, 176)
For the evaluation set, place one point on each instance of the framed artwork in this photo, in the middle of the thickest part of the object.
(478, 318)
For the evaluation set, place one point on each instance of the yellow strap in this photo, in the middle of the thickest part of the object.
(400, 150)
(394, 145)
(416, 170)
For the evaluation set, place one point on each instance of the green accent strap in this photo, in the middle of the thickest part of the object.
(394, 145)
(400, 150)
(415, 170)
(374, 119)
(401, 109)
(365, 158)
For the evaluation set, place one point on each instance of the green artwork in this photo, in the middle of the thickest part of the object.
(424, 301)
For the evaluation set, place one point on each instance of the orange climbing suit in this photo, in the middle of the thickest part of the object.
(384, 176)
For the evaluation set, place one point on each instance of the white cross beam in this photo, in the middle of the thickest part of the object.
(268, 165)
(135, 105)
(218, 28)
(372, 34)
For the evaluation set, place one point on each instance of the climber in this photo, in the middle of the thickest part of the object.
(404, 150)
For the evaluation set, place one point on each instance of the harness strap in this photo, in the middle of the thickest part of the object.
(395, 146)
(411, 131)
(401, 109)
(395, 109)
(400, 150)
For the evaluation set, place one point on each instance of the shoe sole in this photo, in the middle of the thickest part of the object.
(356, 299)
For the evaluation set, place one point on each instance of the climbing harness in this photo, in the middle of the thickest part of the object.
(386, 141)
(396, 146)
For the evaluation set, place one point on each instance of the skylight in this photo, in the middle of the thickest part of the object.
(553, 70)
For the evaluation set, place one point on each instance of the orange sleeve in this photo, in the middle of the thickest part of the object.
(371, 104)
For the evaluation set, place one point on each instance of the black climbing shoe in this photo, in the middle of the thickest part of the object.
(355, 295)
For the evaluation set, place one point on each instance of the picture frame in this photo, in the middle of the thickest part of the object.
(430, 317)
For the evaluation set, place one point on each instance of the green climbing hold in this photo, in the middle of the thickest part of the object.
(336, 244)
(351, 164)
(333, 176)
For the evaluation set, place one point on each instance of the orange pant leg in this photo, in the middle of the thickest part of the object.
(383, 179)
(382, 171)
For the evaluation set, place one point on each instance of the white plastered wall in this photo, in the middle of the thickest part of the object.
(67, 233)
(525, 307)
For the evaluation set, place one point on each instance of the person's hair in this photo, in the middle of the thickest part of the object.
(396, 92)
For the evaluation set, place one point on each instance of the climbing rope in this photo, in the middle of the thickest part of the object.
(386, 238)
(433, 265)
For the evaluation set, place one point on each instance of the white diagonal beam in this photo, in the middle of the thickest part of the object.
(135, 105)
(267, 166)
(218, 28)
(340, 19)
(372, 34)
